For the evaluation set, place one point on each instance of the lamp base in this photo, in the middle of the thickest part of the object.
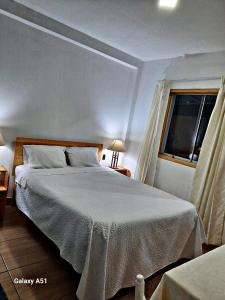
(114, 161)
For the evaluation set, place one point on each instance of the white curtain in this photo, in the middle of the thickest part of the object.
(208, 192)
(148, 156)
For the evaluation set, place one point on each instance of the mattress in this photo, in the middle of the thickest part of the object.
(107, 226)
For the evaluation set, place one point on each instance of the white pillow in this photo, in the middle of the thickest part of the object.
(83, 156)
(41, 156)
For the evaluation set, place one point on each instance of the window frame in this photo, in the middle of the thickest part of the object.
(174, 92)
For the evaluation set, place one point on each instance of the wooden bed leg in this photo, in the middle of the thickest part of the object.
(13, 202)
(140, 288)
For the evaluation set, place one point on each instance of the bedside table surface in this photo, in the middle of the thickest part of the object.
(123, 171)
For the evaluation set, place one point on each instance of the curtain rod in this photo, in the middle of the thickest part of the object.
(195, 79)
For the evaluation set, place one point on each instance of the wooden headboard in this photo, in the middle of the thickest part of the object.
(20, 141)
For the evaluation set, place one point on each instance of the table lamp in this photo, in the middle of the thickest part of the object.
(116, 146)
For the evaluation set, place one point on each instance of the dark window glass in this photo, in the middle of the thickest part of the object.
(186, 125)
(206, 114)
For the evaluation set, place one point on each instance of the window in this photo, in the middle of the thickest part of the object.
(185, 124)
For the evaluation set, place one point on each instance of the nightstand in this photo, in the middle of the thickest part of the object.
(4, 182)
(123, 171)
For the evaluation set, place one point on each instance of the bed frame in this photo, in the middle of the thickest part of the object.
(21, 141)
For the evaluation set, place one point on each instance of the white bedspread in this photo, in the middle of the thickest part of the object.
(108, 226)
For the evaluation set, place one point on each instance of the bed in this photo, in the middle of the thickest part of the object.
(107, 226)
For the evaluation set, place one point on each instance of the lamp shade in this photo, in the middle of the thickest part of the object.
(1, 140)
(117, 145)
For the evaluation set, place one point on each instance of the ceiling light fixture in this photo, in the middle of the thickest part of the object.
(168, 3)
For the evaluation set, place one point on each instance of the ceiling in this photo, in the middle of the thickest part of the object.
(140, 28)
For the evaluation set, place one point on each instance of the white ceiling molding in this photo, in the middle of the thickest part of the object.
(45, 23)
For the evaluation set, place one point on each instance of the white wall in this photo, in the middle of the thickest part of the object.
(52, 88)
(170, 177)
(174, 178)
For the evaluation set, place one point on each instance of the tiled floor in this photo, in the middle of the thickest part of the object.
(26, 253)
